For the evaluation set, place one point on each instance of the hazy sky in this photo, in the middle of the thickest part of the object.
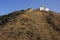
(7, 6)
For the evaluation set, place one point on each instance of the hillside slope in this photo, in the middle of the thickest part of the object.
(30, 25)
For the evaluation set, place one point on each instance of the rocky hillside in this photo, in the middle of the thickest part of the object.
(30, 25)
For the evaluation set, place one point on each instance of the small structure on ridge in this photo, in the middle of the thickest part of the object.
(43, 8)
(29, 9)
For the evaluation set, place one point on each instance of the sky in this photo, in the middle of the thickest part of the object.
(8, 6)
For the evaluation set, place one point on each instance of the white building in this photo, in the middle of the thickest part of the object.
(42, 8)
(47, 9)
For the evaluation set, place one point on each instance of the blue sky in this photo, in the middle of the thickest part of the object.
(7, 6)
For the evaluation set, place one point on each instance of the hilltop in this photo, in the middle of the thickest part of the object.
(30, 25)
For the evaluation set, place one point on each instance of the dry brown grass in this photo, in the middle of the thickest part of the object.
(34, 25)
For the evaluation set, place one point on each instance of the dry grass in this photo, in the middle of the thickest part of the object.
(34, 25)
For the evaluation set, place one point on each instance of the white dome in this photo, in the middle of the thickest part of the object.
(47, 9)
(42, 8)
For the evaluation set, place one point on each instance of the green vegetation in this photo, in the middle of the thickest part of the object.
(7, 18)
(50, 21)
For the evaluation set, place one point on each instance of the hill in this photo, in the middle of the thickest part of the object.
(30, 25)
